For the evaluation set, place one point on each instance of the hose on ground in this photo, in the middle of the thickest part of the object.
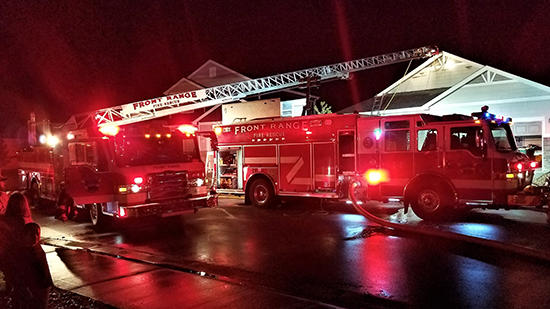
(432, 232)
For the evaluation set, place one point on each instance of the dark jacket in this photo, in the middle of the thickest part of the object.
(34, 272)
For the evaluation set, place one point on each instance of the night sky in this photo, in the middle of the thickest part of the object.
(63, 57)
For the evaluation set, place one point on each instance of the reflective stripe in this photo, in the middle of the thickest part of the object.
(294, 170)
(325, 177)
(289, 160)
(260, 160)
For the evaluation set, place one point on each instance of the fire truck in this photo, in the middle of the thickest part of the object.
(147, 168)
(129, 161)
(438, 165)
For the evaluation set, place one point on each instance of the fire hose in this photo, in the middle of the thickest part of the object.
(445, 235)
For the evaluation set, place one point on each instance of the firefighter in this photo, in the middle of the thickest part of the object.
(65, 206)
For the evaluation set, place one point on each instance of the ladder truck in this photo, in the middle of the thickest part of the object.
(137, 160)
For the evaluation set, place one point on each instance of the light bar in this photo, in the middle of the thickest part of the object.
(109, 130)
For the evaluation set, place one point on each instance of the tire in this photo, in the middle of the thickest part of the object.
(261, 193)
(432, 203)
(98, 219)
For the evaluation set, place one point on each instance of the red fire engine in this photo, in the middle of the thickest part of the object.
(141, 169)
(436, 164)
(140, 165)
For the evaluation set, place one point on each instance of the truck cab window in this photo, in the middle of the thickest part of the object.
(427, 140)
(466, 138)
(82, 153)
(504, 140)
(397, 140)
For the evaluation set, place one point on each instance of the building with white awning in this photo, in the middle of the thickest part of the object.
(449, 84)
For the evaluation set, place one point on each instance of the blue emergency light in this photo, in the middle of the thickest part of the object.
(485, 115)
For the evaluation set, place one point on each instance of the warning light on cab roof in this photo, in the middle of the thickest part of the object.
(109, 130)
(187, 129)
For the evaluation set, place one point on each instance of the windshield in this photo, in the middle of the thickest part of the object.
(504, 140)
(145, 147)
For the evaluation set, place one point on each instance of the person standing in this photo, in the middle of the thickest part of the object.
(12, 224)
(33, 280)
(3, 195)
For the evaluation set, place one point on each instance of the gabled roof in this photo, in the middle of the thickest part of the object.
(212, 74)
(183, 85)
(447, 80)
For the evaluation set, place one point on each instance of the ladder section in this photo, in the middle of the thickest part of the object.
(181, 102)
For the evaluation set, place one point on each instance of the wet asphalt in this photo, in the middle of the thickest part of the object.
(301, 254)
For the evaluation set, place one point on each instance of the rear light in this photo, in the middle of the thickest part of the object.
(109, 130)
(218, 130)
(375, 177)
(138, 180)
(122, 212)
(519, 166)
(534, 164)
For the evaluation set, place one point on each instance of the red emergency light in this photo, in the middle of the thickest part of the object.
(109, 130)
(375, 176)
(534, 164)
(138, 180)
(519, 166)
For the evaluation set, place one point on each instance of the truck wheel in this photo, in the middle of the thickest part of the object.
(96, 216)
(432, 203)
(261, 193)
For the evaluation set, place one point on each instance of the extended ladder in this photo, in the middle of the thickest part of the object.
(185, 101)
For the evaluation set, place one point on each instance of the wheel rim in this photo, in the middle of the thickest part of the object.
(429, 200)
(261, 194)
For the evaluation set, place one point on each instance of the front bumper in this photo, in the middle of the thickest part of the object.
(167, 208)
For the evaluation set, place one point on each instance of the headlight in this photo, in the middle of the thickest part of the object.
(196, 182)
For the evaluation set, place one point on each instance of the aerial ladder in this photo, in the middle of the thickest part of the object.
(213, 96)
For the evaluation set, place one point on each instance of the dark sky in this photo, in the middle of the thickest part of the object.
(63, 57)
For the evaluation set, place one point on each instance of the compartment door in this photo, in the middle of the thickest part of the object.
(295, 168)
(324, 165)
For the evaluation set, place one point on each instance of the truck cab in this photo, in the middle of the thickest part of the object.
(143, 169)
(441, 165)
